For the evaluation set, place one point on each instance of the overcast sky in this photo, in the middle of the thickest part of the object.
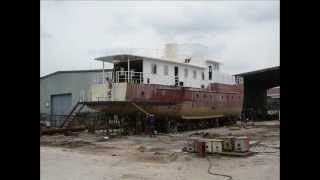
(243, 35)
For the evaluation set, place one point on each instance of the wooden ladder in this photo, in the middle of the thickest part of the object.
(140, 109)
(79, 106)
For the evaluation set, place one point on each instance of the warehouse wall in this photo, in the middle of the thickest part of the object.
(65, 82)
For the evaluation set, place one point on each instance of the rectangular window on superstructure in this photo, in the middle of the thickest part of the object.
(194, 74)
(166, 70)
(210, 72)
(186, 73)
(202, 74)
(153, 69)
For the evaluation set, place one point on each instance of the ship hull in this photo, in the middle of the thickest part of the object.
(217, 100)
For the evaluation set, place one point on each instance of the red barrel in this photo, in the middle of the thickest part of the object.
(200, 148)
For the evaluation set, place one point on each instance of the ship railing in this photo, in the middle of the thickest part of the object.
(103, 77)
(223, 78)
(128, 76)
(150, 78)
(120, 76)
(145, 78)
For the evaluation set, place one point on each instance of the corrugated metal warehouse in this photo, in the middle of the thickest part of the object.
(60, 91)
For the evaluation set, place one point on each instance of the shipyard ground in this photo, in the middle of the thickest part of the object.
(88, 156)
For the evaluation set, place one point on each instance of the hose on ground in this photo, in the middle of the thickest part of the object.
(216, 174)
(264, 151)
(268, 146)
(270, 153)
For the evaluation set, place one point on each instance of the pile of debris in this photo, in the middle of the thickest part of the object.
(68, 143)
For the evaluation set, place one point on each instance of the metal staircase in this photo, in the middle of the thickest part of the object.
(71, 116)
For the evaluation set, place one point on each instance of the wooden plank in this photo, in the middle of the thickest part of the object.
(139, 108)
(202, 117)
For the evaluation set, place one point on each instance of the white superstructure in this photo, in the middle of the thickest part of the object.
(180, 72)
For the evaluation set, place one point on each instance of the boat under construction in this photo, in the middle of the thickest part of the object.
(181, 94)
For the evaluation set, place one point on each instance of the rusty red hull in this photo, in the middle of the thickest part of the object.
(181, 102)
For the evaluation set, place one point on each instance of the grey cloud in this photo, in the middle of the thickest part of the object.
(190, 22)
(260, 12)
(74, 33)
(121, 26)
(45, 35)
(216, 49)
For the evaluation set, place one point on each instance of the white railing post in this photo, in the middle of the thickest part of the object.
(102, 72)
(117, 77)
(140, 78)
(128, 69)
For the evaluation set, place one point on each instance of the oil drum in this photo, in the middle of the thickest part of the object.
(200, 147)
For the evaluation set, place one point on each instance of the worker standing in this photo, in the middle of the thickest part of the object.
(151, 122)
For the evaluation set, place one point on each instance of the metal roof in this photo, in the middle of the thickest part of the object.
(75, 71)
(124, 57)
(211, 61)
(258, 71)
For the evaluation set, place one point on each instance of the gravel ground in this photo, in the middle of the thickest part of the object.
(86, 157)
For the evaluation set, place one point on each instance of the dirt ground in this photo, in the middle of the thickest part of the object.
(87, 156)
